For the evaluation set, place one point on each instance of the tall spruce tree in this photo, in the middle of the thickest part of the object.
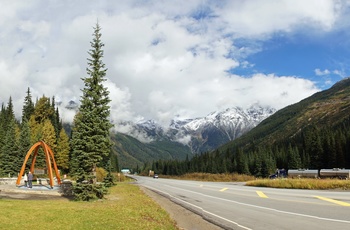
(2, 134)
(91, 138)
(9, 151)
(24, 143)
(28, 106)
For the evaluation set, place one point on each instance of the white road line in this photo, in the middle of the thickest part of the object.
(265, 208)
(200, 208)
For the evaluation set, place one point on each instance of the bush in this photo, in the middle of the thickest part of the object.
(109, 180)
(101, 173)
(88, 191)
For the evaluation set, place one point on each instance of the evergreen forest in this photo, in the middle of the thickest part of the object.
(313, 148)
(40, 121)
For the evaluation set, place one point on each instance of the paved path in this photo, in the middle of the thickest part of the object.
(37, 189)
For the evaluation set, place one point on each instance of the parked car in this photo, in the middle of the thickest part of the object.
(155, 176)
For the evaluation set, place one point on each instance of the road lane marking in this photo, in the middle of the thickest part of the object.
(333, 201)
(224, 189)
(201, 185)
(261, 194)
(198, 207)
(260, 207)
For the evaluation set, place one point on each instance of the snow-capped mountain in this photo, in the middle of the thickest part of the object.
(206, 133)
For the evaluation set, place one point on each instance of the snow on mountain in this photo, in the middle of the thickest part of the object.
(209, 132)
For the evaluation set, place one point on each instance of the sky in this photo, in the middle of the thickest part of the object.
(168, 58)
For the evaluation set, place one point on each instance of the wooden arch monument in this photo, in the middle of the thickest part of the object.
(48, 157)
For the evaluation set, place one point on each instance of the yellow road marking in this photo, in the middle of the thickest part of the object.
(201, 185)
(261, 194)
(333, 201)
(224, 189)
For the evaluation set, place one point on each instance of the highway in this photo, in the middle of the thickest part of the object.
(231, 205)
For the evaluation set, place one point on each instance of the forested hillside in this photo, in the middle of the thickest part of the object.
(133, 153)
(314, 133)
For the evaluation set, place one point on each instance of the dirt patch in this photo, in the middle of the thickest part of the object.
(29, 196)
(184, 218)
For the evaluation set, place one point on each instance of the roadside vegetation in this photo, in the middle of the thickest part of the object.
(320, 184)
(224, 177)
(125, 207)
(289, 183)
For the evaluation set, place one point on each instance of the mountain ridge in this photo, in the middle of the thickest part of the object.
(196, 133)
(325, 108)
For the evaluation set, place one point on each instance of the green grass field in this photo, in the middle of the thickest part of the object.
(125, 207)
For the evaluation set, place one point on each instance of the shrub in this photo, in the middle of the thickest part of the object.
(109, 180)
(88, 191)
(101, 173)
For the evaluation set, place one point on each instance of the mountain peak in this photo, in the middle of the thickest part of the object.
(209, 132)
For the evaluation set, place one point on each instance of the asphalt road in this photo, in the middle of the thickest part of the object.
(235, 206)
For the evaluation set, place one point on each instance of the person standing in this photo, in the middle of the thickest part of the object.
(30, 179)
(25, 178)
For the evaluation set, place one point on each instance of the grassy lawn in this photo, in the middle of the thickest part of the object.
(125, 207)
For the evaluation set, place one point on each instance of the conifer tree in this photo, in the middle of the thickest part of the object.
(91, 138)
(9, 150)
(43, 110)
(2, 133)
(10, 154)
(28, 106)
(49, 135)
(294, 160)
(36, 130)
(54, 118)
(24, 143)
(62, 151)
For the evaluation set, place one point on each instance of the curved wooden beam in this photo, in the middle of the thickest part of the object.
(25, 162)
(48, 156)
(54, 165)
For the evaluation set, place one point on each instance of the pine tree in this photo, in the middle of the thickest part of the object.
(62, 152)
(10, 154)
(24, 142)
(294, 160)
(36, 130)
(2, 135)
(54, 118)
(28, 107)
(49, 135)
(91, 138)
(9, 150)
(242, 162)
(43, 110)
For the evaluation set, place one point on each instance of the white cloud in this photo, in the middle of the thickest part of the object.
(257, 18)
(319, 72)
(161, 61)
(339, 73)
